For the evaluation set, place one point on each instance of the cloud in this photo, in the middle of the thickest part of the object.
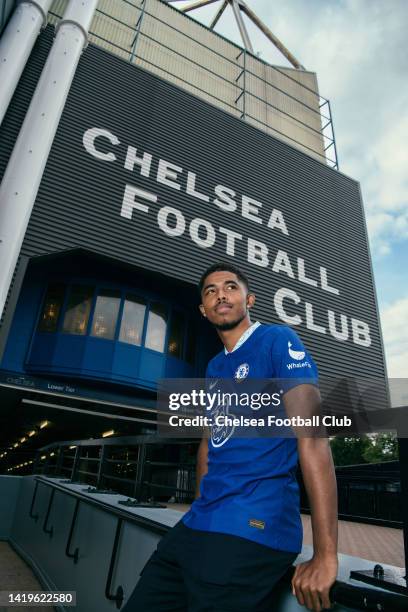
(394, 320)
(358, 50)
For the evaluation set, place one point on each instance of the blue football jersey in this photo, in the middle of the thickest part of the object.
(250, 489)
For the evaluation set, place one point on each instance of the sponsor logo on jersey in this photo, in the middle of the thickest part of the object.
(298, 355)
(292, 366)
(241, 372)
(256, 523)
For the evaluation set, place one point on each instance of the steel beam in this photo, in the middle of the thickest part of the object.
(241, 25)
(278, 44)
(219, 13)
(196, 5)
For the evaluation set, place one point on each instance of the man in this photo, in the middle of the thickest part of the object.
(243, 531)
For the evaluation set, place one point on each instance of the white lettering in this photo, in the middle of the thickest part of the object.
(281, 295)
(339, 335)
(89, 138)
(144, 162)
(282, 264)
(225, 198)
(250, 209)
(324, 284)
(129, 202)
(302, 275)
(230, 241)
(310, 324)
(209, 239)
(191, 190)
(276, 220)
(257, 253)
(167, 173)
(162, 220)
(361, 333)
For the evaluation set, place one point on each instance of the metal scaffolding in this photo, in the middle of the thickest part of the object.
(238, 8)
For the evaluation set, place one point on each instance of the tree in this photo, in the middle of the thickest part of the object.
(383, 447)
(349, 451)
(366, 449)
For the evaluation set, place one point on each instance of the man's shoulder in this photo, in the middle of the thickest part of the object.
(273, 331)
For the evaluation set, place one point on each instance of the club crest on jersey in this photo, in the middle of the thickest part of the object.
(298, 355)
(241, 372)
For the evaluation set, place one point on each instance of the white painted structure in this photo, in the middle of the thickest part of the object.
(23, 175)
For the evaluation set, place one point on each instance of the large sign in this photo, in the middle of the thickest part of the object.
(146, 173)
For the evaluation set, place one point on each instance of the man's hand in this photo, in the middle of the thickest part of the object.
(312, 580)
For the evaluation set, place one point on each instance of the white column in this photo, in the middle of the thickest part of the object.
(16, 44)
(23, 175)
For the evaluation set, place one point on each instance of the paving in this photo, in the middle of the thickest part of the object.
(15, 575)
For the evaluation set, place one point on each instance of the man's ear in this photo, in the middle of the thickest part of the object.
(202, 310)
(250, 299)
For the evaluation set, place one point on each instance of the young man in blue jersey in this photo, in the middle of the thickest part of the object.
(243, 530)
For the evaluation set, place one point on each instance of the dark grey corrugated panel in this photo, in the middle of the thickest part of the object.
(80, 198)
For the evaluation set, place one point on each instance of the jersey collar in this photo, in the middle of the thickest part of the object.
(247, 333)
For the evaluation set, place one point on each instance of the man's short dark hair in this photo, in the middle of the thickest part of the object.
(223, 267)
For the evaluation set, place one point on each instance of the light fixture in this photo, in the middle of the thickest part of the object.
(31, 433)
(15, 445)
(71, 447)
(106, 434)
(43, 457)
(23, 439)
(44, 424)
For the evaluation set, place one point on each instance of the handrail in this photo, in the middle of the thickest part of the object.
(360, 598)
(75, 554)
(119, 595)
(34, 516)
(119, 511)
(45, 528)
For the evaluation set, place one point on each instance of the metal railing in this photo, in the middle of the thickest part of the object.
(244, 95)
(145, 468)
(157, 469)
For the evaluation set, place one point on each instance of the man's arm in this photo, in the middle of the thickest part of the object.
(312, 580)
(202, 464)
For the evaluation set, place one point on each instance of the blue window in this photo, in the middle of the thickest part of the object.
(117, 315)
(51, 311)
(131, 328)
(78, 310)
(105, 314)
(156, 327)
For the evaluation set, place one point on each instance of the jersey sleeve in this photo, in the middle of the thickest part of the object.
(292, 363)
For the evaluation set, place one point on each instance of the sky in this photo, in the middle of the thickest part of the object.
(358, 50)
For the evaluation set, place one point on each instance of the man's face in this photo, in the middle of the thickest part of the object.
(225, 300)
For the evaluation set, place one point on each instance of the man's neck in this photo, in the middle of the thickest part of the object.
(230, 337)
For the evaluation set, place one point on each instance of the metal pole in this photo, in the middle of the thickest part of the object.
(27, 162)
(196, 5)
(403, 465)
(137, 30)
(241, 26)
(219, 13)
(16, 44)
(278, 44)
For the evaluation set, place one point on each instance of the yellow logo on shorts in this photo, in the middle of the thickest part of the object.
(256, 523)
